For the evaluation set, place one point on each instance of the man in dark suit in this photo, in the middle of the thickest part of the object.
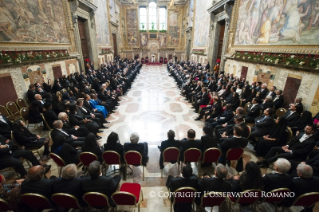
(10, 156)
(217, 183)
(48, 114)
(278, 179)
(78, 131)
(223, 118)
(263, 125)
(253, 111)
(298, 149)
(211, 112)
(31, 92)
(292, 115)
(101, 184)
(267, 103)
(142, 148)
(204, 99)
(272, 92)
(6, 126)
(263, 91)
(70, 139)
(170, 142)
(96, 116)
(278, 99)
(303, 184)
(69, 183)
(86, 104)
(189, 142)
(187, 180)
(299, 106)
(237, 141)
(227, 132)
(313, 161)
(35, 183)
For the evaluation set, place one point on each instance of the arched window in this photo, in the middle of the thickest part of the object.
(143, 18)
(152, 16)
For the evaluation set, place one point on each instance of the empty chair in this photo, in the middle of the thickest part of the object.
(129, 194)
(307, 200)
(21, 103)
(5, 112)
(36, 201)
(132, 158)
(86, 158)
(280, 112)
(110, 158)
(183, 197)
(67, 201)
(170, 154)
(59, 161)
(96, 200)
(13, 109)
(192, 155)
(4, 205)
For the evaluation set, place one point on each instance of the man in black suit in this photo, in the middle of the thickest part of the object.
(204, 99)
(69, 183)
(211, 112)
(70, 139)
(86, 104)
(78, 131)
(217, 183)
(299, 106)
(142, 148)
(278, 100)
(96, 116)
(298, 149)
(267, 103)
(77, 118)
(48, 114)
(303, 184)
(10, 156)
(263, 125)
(101, 184)
(187, 180)
(263, 91)
(223, 118)
(313, 161)
(31, 92)
(189, 142)
(272, 92)
(279, 178)
(237, 141)
(227, 132)
(253, 111)
(170, 142)
(6, 126)
(292, 115)
(35, 183)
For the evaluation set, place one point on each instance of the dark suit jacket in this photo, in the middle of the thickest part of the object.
(292, 119)
(217, 109)
(264, 125)
(230, 129)
(42, 186)
(30, 95)
(302, 150)
(104, 185)
(93, 149)
(174, 183)
(278, 102)
(25, 137)
(56, 132)
(71, 186)
(117, 148)
(170, 143)
(225, 117)
(314, 163)
(276, 180)
(187, 144)
(50, 117)
(208, 142)
(76, 119)
(233, 142)
(205, 99)
(142, 148)
(263, 93)
(5, 129)
(214, 184)
(87, 105)
(254, 112)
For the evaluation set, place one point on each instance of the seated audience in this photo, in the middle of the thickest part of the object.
(48, 114)
(187, 180)
(292, 115)
(170, 142)
(278, 100)
(253, 111)
(142, 148)
(208, 140)
(68, 153)
(298, 149)
(223, 118)
(189, 142)
(78, 131)
(263, 125)
(98, 183)
(91, 145)
(6, 126)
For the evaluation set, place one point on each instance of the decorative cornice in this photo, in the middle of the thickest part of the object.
(218, 6)
(88, 4)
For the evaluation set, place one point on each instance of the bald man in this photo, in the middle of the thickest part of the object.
(35, 183)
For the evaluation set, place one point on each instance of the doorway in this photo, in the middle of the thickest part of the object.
(115, 44)
(10, 94)
(188, 49)
(243, 74)
(57, 72)
(83, 37)
(221, 39)
(291, 90)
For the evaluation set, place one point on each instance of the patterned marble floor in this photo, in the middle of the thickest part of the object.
(151, 108)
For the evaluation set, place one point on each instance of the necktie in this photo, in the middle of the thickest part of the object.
(84, 109)
(64, 133)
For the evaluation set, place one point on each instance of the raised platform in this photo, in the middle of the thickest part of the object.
(154, 64)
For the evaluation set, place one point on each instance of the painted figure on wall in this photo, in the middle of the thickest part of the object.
(278, 22)
(131, 23)
(174, 33)
(37, 21)
(162, 40)
(144, 39)
(102, 26)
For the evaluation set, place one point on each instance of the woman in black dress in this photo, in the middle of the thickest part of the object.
(91, 145)
(113, 144)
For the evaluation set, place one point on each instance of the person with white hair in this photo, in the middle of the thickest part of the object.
(142, 148)
(279, 178)
(78, 131)
(263, 91)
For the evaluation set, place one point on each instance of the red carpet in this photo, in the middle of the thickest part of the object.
(154, 64)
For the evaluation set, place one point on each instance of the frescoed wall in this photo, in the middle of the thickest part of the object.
(102, 23)
(162, 40)
(278, 22)
(36, 21)
(174, 27)
(202, 22)
(132, 27)
(190, 12)
(144, 39)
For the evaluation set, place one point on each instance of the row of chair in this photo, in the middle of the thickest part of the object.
(11, 110)
(129, 194)
(211, 155)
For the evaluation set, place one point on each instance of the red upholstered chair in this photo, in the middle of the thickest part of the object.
(234, 154)
(142, 60)
(133, 158)
(110, 158)
(165, 60)
(170, 154)
(212, 199)
(59, 161)
(4, 205)
(129, 194)
(192, 155)
(66, 201)
(96, 200)
(210, 155)
(246, 197)
(307, 200)
(183, 196)
(86, 158)
(277, 196)
(146, 60)
(35, 201)
(161, 60)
